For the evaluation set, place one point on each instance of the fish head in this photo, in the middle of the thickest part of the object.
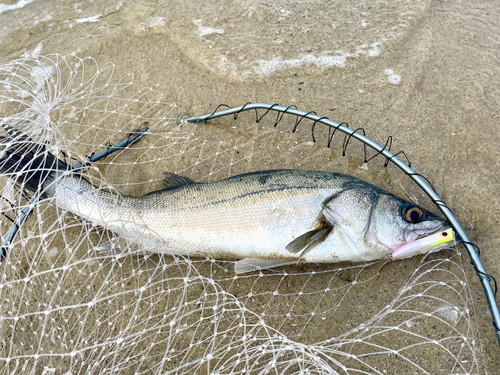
(396, 223)
(377, 223)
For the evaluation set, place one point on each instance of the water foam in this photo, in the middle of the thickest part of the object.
(322, 36)
(203, 30)
(392, 77)
(20, 4)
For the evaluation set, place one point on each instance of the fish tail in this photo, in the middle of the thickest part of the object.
(29, 163)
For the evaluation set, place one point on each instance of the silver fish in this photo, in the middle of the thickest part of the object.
(265, 218)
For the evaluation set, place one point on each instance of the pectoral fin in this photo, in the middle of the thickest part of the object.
(307, 239)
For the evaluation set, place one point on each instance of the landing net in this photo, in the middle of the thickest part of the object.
(68, 307)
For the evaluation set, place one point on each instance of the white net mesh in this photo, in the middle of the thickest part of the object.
(68, 308)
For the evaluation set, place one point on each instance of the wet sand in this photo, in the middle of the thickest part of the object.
(443, 113)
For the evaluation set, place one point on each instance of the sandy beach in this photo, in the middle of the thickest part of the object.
(424, 72)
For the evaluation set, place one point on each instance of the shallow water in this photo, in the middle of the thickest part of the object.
(424, 72)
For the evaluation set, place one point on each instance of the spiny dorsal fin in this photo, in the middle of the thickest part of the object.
(172, 180)
(306, 240)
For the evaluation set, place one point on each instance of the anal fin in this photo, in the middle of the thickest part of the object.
(114, 244)
(107, 247)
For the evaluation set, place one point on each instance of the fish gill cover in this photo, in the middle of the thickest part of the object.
(68, 308)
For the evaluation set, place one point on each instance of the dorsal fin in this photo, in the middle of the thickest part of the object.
(172, 180)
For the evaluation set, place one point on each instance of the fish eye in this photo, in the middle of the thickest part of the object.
(412, 213)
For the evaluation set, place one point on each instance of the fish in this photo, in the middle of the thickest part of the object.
(264, 219)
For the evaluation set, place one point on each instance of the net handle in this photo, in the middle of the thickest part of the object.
(476, 262)
(133, 137)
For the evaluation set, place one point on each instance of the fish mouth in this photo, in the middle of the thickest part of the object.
(418, 234)
(423, 241)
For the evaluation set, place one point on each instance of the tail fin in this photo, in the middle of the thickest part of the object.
(28, 163)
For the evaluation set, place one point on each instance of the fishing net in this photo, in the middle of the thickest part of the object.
(71, 303)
